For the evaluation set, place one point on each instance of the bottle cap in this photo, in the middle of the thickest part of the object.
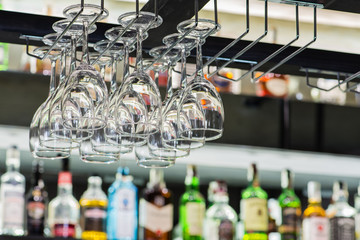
(286, 178)
(13, 157)
(314, 191)
(64, 178)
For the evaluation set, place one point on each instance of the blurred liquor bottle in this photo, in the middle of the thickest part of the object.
(156, 209)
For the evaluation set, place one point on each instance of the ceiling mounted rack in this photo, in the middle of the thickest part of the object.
(245, 49)
(186, 33)
(82, 4)
(336, 75)
(278, 51)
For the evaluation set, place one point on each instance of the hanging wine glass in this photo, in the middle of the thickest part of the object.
(189, 118)
(200, 88)
(156, 140)
(55, 113)
(37, 149)
(99, 143)
(119, 108)
(47, 127)
(138, 92)
(85, 99)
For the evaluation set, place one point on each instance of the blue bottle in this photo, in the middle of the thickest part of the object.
(123, 207)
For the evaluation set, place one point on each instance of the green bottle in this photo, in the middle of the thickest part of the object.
(290, 208)
(253, 206)
(4, 53)
(192, 207)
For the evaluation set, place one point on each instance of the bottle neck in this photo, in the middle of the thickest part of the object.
(38, 181)
(65, 189)
(255, 181)
(314, 201)
(192, 183)
(94, 186)
(12, 168)
(341, 197)
(221, 198)
(253, 176)
(156, 179)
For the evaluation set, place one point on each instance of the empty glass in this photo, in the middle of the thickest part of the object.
(37, 149)
(85, 98)
(200, 88)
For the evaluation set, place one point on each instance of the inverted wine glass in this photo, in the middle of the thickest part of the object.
(139, 85)
(156, 140)
(55, 113)
(37, 149)
(85, 99)
(200, 88)
(189, 118)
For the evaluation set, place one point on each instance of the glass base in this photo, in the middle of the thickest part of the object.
(204, 27)
(144, 20)
(89, 13)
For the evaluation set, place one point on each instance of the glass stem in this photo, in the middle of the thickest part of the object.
(139, 66)
(73, 54)
(199, 63)
(85, 51)
(183, 68)
(102, 70)
(156, 77)
(126, 60)
(169, 90)
(62, 66)
(52, 77)
(113, 85)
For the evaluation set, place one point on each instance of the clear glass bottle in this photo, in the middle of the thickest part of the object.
(341, 215)
(36, 202)
(290, 208)
(156, 209)
(254, 210)
(357, 216)
(221, 219)
(192, 207)
(123, 207)
(12, 195)
(64, 209)
(315, 225)
(93, 205)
